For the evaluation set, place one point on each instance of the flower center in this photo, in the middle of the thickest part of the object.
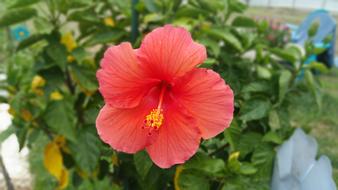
(155, 118)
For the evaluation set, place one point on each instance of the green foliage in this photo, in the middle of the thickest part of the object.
(53, 91)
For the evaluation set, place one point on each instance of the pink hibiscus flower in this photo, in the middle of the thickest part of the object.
(156, 99)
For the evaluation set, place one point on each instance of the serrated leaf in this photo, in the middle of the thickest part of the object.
(205, 164)
(192, 180)
(255, 109)
(248, 142)
(86, 150)
(58, 54)
(59, 117)
(232, 135)
(84, 76)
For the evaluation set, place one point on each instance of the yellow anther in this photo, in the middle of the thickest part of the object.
(154, 119)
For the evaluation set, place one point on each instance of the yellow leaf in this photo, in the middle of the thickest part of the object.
(234, 156)
(69, 41)
(53, 160)
(56, 95)
(115, 160)
(70, 59)
(108, 21)
(178, 172)
(37, 82)
(11, 111)
(63, 182)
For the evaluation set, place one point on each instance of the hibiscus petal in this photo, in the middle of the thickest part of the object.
(168, 52)
(122, 82)
(122, 128)
(178, 138)
(206, 96)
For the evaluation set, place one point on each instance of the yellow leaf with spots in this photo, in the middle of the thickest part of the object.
(53, 160)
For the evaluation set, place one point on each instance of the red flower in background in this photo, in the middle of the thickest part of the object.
(156, 99)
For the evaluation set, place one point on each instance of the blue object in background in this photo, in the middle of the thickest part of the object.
(296, 167)
(327, 26)
(20, 33)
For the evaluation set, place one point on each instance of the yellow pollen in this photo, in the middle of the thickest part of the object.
(154, 119)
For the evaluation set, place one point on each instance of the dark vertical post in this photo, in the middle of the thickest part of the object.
(134, 21)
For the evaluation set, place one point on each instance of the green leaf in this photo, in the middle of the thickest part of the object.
(22, 3)
(233, 164)
(247, 169)
(237, 6)
(283, 82)
(84, 75)
(313, 87)
(16, 15)
(255, 109)
(60, 117)
(272, 137)
(192, 180)
(103, 37)
(242, 21)
(263, 72)
(225, 35)
(212, 44)
(43, 25)
(232, 135)
(313, 29)
(30, 41)
(86, 149)
(142, 163)
(247, 143)
(151, 5)
(6, 133)
(205, 164)
(58, 54)
(274, 121)
(263, 158)
(318, 66)
(260, 86)
(290, 54)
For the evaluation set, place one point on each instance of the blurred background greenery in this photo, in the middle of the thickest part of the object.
(52, 90)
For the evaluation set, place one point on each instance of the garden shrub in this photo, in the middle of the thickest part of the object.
(53, 97)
